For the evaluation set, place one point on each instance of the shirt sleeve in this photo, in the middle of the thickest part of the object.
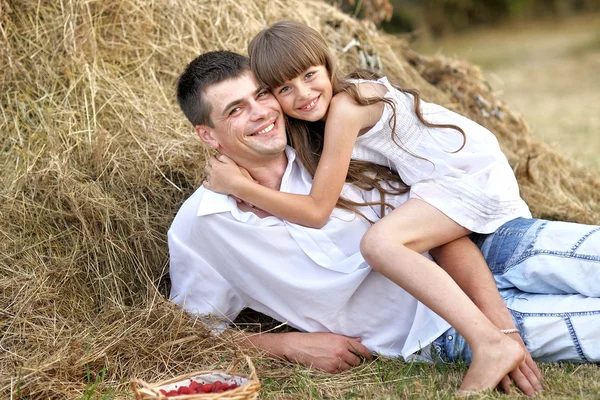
(197, 285)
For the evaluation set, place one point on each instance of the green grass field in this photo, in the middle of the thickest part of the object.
(394, 379)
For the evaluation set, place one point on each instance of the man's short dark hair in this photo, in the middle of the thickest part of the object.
(206, 70)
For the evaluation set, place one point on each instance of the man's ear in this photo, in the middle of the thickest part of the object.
(205, 134)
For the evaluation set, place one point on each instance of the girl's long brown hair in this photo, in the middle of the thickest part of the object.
(286, 50)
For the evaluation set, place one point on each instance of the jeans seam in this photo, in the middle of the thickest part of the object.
(574, 337)
(583, 239)
(554, 253)
(519, 318)
(571, 254)
(562, 254)
(561, 315)
(522, 234)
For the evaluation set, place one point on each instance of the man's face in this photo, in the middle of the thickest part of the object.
(248, 122)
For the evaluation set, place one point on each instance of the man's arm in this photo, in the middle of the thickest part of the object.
(326, 351)
(465, 264)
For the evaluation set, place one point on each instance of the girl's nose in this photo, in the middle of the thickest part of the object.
(306, 92)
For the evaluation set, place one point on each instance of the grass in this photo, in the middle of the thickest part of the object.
(95, 383)
(388, 378)
(548, 71)
(394, 379)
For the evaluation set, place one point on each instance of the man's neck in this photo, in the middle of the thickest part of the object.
(270, 173)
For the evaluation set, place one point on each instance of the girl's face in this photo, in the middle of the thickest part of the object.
(307, 96)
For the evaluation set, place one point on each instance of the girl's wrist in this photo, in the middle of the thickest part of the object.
(241, 187)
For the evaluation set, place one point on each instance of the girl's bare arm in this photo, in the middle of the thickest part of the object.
(344, 121)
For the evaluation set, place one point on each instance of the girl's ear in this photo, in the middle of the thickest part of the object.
(206, 135)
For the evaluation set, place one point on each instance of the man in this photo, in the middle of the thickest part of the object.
(226, 256)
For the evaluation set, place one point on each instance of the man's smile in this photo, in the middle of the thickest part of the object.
(265, 129)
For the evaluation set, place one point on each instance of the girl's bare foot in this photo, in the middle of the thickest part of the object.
(491, 362)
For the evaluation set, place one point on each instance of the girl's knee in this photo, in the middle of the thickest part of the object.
(374, 243)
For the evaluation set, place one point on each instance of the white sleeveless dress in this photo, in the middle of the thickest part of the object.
(475, 186)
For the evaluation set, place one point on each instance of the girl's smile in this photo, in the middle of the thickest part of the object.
(309, 105)
(307, 96)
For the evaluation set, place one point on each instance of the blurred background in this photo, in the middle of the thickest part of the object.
(541, 57)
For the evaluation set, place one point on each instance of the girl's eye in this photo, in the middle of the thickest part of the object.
(309, 75)
(284, 89)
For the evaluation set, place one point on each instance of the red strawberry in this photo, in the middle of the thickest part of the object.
(207, 388)
(184, 390)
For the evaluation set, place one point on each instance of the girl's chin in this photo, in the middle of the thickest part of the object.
(309, 117)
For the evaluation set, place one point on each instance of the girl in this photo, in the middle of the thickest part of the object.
(460, 182)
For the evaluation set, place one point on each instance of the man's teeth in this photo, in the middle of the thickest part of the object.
(267, 129)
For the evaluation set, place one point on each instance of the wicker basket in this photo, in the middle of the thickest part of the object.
(248, 385)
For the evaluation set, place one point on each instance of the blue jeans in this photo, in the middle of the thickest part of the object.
(548, 274)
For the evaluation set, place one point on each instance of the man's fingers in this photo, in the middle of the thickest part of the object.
(522, 382)
(532, 377)
(343, 366)
(351, 359)
(529, 370)
(533, 366)
(505, 384)
(360, 350)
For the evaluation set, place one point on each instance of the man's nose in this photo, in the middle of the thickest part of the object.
(259, 111)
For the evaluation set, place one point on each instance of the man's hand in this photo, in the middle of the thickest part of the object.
(527, 377)
(465, 264)
(326, 351)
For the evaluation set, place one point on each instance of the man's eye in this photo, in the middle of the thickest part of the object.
(234, 110)
(263, 94)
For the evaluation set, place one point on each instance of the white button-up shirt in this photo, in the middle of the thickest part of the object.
(316, 280)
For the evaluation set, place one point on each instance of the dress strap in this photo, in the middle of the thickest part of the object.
(385, 82)
(381, 81)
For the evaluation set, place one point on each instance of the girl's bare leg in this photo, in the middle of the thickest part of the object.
(393, 246)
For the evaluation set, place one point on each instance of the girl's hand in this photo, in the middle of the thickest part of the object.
(224, 176)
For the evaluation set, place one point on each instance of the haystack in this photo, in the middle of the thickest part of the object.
(96, 159)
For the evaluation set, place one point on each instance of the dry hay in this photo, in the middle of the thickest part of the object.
(96, 159)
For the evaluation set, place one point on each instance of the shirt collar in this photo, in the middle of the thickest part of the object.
(213, 203)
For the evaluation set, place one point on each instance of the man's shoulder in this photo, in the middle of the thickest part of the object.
(189, 209)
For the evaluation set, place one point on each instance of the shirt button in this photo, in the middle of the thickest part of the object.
(450, 337)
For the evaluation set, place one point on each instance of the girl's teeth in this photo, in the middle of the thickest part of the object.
(311, 105)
